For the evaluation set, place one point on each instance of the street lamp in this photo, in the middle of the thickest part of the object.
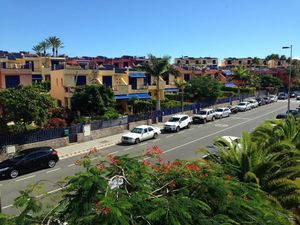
(289, 84)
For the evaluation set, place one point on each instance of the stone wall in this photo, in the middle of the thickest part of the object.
(55, 143)
(138, 123)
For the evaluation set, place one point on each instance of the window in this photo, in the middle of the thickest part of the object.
(278, 63)
(125, 64)
(229, 62)
(214, 61)
(145, 130)
(178, 61)
(240, 62)
(204, 61)
(265, 62)
(248, 62)
(197, 61)
(186, 77)
(150, 129)
(12, 81)
(187, 62)
(80, 80)
(37, 78)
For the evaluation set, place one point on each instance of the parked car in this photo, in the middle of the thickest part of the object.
(28, 160)
(243, 106)
(204, 115)
(282, 116)
(267, 100)
(140, 133)
(293, 112)
(222, 112)
(273, 98)
(298, 97)
(260, 101)
(254, 103)
(282, 96)
(233, 109)
(177, 122)
(292, 94)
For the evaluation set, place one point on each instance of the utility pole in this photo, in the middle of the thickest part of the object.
(290, 74)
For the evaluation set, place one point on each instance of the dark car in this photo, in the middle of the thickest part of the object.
(293, 112)
(260, 101)
(267, 100)
(282, 116)
(293, 94)
(282, 96)
(28, 160)
(233, 109)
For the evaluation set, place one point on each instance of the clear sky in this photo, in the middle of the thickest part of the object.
(220, 28)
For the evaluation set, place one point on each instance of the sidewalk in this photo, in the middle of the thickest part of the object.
(84, 147)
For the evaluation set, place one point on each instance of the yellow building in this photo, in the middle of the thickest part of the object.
(250, 62)
(211, 62)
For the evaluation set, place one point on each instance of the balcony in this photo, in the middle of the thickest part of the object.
(122, 89)
(162, 85)
(13, 71)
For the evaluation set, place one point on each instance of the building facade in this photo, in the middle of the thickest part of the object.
(203, 62)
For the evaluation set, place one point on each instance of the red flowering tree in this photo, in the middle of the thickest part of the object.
(148, 190)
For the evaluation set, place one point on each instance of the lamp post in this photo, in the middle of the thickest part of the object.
(289, 82)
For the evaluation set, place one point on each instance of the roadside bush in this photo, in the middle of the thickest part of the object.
(248, 90)
(229, 89)
(56, 122)
(143, 106)
(110, 114)
(175, 97)
(170, 104)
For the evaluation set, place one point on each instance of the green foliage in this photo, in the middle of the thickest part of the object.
(141, 106)
(171, 96)
(272, 56)
(166, 104)
(203, 88)
(92, 100)
(267, 80)
(24, 106)
(110, 114)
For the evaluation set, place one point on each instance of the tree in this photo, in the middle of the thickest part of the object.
(282, 57)
(44, 45)
(242, 76)
(267, 80)
(181, 84)
(132, 190)
(203, 88)
(92, 100)
(55, 43)
(25, 105)
(255, 61)
(272, 57)
(159, 68)
(38, 49)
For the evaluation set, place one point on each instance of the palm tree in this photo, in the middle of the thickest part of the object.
(180, 84)
(44, 45)
(242, 75)
(55, 43)
(272, 171)
(159, 68)
(38, 49)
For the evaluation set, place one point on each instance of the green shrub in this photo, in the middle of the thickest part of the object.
(143, 106)
(170, 96)
(110, 114)
(170, 104)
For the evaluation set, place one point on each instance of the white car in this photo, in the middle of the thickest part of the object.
(254, 103)
(222, 112)
(243, 106)
(177, 122)
(298, 97)
(204, 115)
(140, 133)
(273, 98)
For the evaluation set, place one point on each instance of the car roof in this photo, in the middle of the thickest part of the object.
(222, 108)
(243, 102)
(206, 109)
(29, 150)
(143, 126)
(179, 116)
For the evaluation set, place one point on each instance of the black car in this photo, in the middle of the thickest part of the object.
(282, 116)
(28, 160)
(233, 109)
(293, 112)
(260, 101)
(282, 96)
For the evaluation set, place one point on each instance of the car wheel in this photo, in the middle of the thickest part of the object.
(188, 126)
(213, 118)
(221, 117)
(137, 141)
(177, 129)
(51, 163)
(155, 136)
(14, 173)
(204, 120)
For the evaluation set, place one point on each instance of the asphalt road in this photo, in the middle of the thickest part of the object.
(180, 145)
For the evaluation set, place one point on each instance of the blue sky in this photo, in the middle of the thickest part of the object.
(112, 28)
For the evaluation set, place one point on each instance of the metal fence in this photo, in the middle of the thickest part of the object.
(72, 131)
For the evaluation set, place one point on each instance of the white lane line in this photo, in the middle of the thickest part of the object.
(94, 158)
(144, 144)
(25, 178)
(8, 206)
(126, 149)
(220, 131)
(156, 140)
(56, 190)
(242, 118)
(114, 152)
(170, 136)
(50, 171)
(39, 196)
(71, 165)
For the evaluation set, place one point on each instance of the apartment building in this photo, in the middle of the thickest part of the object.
(207, 62)
(233, 62)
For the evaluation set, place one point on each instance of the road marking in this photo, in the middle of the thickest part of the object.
(56, 190)
(39, 196)
(50, 171)
(94, 158)
(8, 206)
(71, 165)
(25, 178)
(144, 144)
(221, 125)
(242, 118)
(128, 148)
(156, 140)
(114, 152)
(212, 134)
(170, 136)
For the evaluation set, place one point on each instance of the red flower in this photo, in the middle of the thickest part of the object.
(114, 161)
(160, 160)
(228, 177)
(110, 156)
(193, 167)
(106, 210)
(146, 162)
(207, 166)
(172, 184)
(177, 163)
(93, 150)
(98, 206)
(100, 167)
(77, 162)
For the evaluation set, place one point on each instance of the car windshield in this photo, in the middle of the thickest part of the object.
(174, 119)
(17, 155)
(202, 113)
(137, 130)
(219, 110)
(242, 104)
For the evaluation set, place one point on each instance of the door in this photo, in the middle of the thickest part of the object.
(29, 163)
(107, 81)
(151, 132)
(12, 81)
(145, 134)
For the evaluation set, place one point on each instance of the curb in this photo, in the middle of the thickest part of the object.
(80, 152)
